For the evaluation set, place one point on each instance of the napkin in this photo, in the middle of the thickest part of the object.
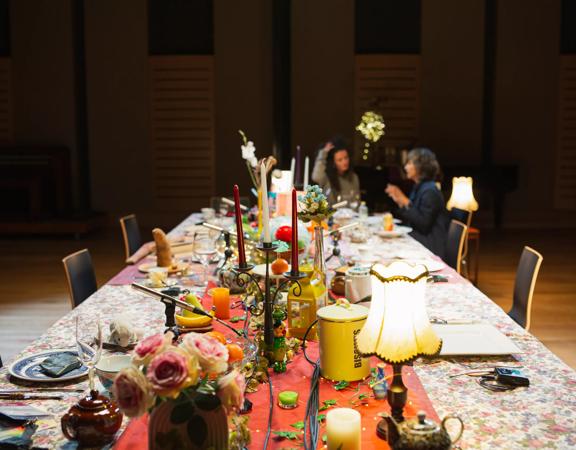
(163, 249)
(142, 252)
(60, 364)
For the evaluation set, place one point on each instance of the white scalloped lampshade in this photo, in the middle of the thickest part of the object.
(462, 196)
(398, 329)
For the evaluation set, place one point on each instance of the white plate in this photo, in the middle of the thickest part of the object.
(431, 264)
(474, 339)
(28, 368)
(260, 270)
(398, 231)
(180, 266)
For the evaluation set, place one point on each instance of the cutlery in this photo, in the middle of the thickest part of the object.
(21, 396)
(438, 321)
(16, 391)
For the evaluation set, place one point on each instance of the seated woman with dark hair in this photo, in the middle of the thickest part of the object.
(333, 172)
(424, 210)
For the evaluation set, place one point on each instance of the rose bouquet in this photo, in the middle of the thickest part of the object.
(190, 389)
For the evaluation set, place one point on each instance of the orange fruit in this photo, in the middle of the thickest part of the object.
(218, 336)
(235, 353)
(279, 266)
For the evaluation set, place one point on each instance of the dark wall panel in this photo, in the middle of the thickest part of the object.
(181, 27)
(387, 26)
(4, 28)
(568, 27)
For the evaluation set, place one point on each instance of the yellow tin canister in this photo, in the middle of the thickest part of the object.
(338, 327)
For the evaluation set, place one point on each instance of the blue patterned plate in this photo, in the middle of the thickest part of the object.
(28, 368)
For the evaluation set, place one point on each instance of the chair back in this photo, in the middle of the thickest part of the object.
(455, 244)
(130, 234)
(526, 276)
(80, 276)
(461, 215)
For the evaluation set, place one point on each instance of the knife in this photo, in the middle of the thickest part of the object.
(24, 396)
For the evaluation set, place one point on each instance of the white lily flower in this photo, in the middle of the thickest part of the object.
(248, 151)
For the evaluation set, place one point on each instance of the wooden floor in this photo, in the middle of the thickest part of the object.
(33, 293)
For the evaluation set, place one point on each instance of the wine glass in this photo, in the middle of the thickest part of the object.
(204, 249)
(89, 344)
(354, 200)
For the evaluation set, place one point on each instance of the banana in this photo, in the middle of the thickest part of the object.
(190, 319)
(197, 321)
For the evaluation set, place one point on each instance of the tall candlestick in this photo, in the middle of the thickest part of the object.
(292, 165)
(306, 170)
(265, 216)
(295, 268)
(298, 165)
(343, 429)
(239, 229)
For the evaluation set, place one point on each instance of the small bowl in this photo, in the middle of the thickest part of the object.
(109, 366)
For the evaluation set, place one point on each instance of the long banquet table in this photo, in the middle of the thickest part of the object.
(540, 416)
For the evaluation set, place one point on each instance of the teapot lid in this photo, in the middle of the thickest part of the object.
(422, 424)
(94, 402)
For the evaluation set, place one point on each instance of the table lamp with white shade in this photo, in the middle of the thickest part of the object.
(397, 329)
(462, 196)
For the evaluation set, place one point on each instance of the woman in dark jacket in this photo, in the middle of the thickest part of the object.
(424, 210)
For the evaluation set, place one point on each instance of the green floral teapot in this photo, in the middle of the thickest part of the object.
(421, 433)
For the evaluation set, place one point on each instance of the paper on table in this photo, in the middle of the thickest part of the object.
(474, 339)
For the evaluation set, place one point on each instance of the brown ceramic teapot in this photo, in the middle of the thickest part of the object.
(93, 421)
(421, 433)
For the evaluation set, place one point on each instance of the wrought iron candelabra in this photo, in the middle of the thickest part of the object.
(264, 300)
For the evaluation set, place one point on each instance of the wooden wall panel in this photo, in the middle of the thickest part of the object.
(6, 105)
(182, 124)
(565, 191)
(389, 84)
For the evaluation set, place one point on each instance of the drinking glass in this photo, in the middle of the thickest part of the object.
(204, 249)
(89, 344)
(354, 200)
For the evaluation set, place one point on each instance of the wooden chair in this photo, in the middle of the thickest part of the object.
(524, 284)
(79, 276)
(130, 234)
(464, 216)
(455, 244)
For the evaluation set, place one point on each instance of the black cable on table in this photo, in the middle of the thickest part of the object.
(313, 403)
(270, 411)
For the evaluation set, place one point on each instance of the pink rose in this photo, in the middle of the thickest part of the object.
(231, 390)
(171, 371)
(151, 346)
(132, 392)
(212, 354)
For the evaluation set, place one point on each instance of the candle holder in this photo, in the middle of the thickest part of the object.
(264, 300)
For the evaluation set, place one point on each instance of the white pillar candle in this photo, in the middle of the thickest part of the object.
(344, 429)
(265, 216)
(306, 169)
(292, 168)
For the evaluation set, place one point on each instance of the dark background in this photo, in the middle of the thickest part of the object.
(490, 90)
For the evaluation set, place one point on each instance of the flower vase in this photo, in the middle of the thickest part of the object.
(194, 422)
(318, 277)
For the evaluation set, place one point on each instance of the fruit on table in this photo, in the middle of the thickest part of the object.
(235, 352)
(218, 336)
(190, 319)
(279, 266)
(191, 299)
(197, 321)
(284, 233)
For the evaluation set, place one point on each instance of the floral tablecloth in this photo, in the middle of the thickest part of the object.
(540, 416)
